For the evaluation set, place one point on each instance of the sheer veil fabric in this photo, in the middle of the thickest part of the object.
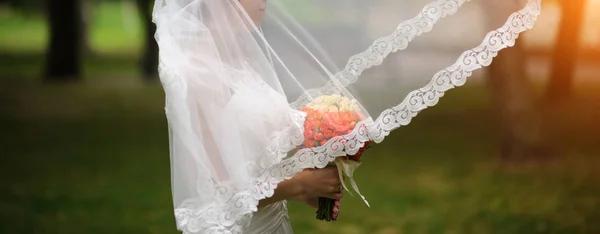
(236, 81)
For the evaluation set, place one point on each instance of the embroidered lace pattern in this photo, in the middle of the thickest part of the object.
(382, 47)
(233, 211)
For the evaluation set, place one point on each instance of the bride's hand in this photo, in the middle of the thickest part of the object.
(316, 183)
(307, 186)
(309, 201)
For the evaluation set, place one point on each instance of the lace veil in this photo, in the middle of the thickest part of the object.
(236, 80)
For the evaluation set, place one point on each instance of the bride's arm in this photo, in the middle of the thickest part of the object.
(307, 186)
(286, 190)
(206, 90)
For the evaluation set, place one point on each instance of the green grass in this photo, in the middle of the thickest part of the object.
(115, 41)
(93, 157)
(21, 32)
(114, 28)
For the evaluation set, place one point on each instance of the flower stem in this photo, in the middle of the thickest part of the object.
(325, 210)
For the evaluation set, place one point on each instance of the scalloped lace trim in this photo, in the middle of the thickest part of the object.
(234, 214)
(382, 47)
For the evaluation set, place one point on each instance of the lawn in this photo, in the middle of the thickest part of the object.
(93, 158)
(87, 159)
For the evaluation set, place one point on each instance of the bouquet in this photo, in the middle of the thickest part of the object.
(327, 117)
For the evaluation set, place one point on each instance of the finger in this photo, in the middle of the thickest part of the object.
(337, 172)
(336, 179)
(336, 188)
(313, 202)
(331, 196)
(330, 173)
(335, 196)
(333, 171)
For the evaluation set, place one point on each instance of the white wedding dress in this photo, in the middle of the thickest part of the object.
(233, 98)
(266, 104)
(272, 219)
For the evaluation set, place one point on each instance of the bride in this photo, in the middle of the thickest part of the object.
(237, 135)
(209, 84)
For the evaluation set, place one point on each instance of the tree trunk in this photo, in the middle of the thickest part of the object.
(566, 50)
(63, 56)
(514, 99)
(86, 18)
(149, 64)
(513, 95)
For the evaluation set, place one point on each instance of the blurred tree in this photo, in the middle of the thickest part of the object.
(566, 50)
(514, 97)
(63, 55)
(150, 55)
(86, 18)
(26, 5)
(515, 102)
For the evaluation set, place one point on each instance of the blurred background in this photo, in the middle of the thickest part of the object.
(83, 138)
